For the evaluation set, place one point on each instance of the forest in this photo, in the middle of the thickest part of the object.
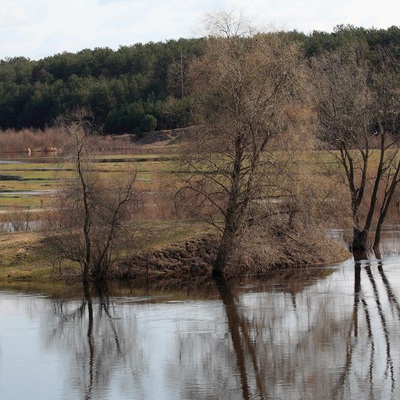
(136, 88)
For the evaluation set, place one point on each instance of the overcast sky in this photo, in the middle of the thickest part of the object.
(40, 28)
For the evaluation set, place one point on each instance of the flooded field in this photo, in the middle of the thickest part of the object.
(27, 181)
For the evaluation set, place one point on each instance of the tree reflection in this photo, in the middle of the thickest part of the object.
(376, 380)
(90, 339)
(242, 343)
(389, 291)
(305, 344)
(93, 334)
(333, 338)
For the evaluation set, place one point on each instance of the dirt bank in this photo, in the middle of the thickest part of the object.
(194, 257)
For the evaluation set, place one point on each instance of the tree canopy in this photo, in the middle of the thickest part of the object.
(120, 87)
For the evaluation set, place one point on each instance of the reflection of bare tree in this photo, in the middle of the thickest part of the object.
(319, 342)
(239, 330)
(354, 330)
(389, 291)
(90, 339)
(99, 348)
(378, 333)
(389, 361)
(334, 339)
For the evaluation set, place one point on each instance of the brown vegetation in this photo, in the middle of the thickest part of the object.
(28, 141)
(53, 140)
(195, 257)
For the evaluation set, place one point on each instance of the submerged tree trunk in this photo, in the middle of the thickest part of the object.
(358, 109)
(377, 240)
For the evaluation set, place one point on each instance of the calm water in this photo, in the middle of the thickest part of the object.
(295, 337)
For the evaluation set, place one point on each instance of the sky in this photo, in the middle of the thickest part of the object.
(39, 28)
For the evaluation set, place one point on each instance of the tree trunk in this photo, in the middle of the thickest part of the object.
(360, 240)
(224, 252)
(377, 240)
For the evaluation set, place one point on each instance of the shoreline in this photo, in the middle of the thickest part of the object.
(28, 264)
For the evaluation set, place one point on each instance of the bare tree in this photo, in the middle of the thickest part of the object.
(386, 81)
(248, 93)
(358, 109)
(92, 212)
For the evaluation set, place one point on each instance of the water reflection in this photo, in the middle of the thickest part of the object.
(373, 352)
(334, 337)
(99, 342)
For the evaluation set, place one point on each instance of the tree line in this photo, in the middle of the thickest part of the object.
(120, 87)
(136, 88)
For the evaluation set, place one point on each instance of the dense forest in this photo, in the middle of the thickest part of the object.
(135, 88)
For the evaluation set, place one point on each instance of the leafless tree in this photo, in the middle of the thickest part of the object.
(358, 108)
(248, 91)
(92, 212)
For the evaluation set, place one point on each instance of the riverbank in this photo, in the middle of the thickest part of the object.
(195, 257)
(180, 252)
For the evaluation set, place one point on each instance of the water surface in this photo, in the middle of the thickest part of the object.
(330, 334)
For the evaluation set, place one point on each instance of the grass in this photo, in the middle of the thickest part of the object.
(27, 263)
(20, 201)
(24, 257)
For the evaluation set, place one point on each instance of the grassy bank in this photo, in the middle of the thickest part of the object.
(166, 254)
(28, 261)
(24, 259)
(26, 266)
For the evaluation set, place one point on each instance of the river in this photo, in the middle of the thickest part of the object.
(330, 333)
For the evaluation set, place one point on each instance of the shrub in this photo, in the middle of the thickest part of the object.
(148, 123)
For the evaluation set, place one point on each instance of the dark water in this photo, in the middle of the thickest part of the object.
(329, 334)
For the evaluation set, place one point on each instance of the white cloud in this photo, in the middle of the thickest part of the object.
(45, 27)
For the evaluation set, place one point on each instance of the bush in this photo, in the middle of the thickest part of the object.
(148, 123)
